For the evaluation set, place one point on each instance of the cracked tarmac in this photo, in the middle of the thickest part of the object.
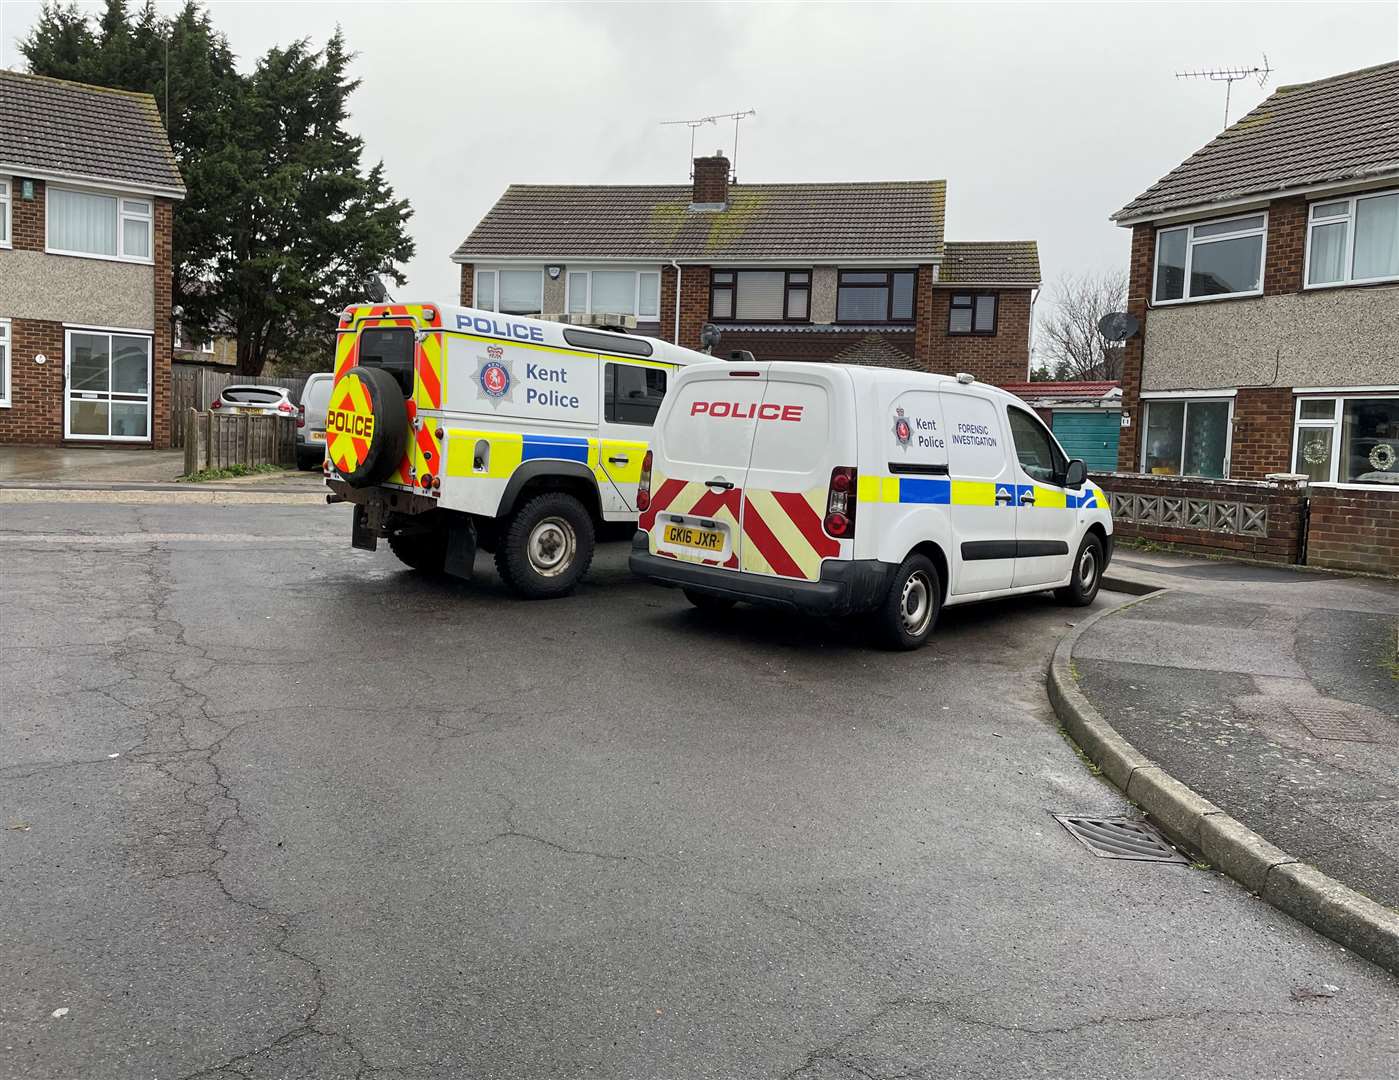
(280, 809)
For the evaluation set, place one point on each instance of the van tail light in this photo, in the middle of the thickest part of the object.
(217, 403)
(643, 486)
(301, 414)
(840, 503)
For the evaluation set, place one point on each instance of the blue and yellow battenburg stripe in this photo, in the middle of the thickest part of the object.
(945, 491)
(505, 451)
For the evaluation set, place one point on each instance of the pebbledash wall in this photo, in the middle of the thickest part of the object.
(44, 295)
(1263, 353)
(925, 343)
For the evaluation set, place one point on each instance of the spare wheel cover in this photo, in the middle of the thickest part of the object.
(366, 425)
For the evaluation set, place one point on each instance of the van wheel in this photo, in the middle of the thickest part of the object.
(546, 547)
(1082, 588)
(910, 610)
(708, 602)
(421, 549)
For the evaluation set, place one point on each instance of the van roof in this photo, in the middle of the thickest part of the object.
(868, 373)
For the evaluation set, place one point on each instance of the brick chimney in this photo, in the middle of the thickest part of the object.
(711, 180)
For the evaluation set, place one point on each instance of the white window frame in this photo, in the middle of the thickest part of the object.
(636, 271)
(8, 341)
(123, 215)
(8, 240)
(1190, 244)
(1349, 219)
(495, 271)
(1338, 403)
(109, 332)
(1187, 400)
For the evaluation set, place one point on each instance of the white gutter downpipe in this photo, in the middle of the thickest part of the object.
(679, 277)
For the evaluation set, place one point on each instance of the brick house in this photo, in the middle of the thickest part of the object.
(851, 272)
(88, 185)
(1265, 274)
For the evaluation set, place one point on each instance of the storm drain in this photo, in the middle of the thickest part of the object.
(1120, 838)
(1324, 722)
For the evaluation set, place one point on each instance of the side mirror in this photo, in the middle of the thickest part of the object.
(1076, 475)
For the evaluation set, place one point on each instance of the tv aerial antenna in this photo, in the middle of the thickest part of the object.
(699, 122)
(1229, 76)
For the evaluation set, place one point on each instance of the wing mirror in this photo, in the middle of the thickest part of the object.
(1076, 475)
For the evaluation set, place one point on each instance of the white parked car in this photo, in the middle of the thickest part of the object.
(245, 398)
(310, 420)
(839, 490)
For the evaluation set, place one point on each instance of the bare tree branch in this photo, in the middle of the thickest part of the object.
(1067, 344)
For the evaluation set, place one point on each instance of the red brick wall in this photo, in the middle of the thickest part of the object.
(35, 414)
(694, 306)
(1287, 241)
(1354, 530)
(1138, 292)
(1284, 503)
(996, 358)
(667, 315)
(468, 283)
(711, 179)
(161, 347)
(27, 217)
(1262, 438)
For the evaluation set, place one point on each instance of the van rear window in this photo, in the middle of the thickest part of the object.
(390, 348)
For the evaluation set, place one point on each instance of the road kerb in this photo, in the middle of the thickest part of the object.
(1297, 888)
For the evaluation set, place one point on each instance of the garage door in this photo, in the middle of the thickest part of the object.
(1091, 436)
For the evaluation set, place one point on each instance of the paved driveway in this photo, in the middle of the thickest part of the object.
(87, 464)
(276, 808)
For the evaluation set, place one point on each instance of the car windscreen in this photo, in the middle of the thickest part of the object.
(390, 348)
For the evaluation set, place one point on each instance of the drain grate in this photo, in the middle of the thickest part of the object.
(1121, 838)
(1324, 722)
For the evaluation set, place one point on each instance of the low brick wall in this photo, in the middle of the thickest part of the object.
(1354, 530)
(1248, 519)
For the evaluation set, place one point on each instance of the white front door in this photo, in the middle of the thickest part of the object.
(107, 386)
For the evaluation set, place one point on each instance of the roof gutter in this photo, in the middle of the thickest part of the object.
(793, 261)
(100, 183)
(1258, 199)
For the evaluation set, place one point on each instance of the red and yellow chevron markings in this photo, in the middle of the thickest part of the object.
(695, 499)
(424, 454)
(782, 533)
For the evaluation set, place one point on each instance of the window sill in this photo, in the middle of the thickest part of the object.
(99, 258)
(1207, 299)
(971, 333)
(1350, 284)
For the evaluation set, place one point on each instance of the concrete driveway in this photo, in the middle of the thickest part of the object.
(88, 464)
(277, 808)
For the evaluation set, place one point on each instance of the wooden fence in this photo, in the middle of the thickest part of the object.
(194, 386)
(216, 441)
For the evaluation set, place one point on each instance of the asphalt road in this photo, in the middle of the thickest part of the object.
(275, 808)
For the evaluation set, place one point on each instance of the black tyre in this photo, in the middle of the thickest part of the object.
(1088, 574)
(709, 603)
(366, 425)
(306, 460)
(909, 612)
(546, 546)
(420, 547)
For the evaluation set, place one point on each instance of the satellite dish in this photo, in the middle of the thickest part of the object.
(1118, 326)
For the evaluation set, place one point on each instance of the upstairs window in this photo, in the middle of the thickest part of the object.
(1354, 240)
(972, 313)
(4, 213)
(760, 295)
(615, 292)
(1210, 260)
(105, 226)
(511, 292)
(875, 296)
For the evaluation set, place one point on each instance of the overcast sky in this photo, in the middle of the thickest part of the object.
(1043, 118)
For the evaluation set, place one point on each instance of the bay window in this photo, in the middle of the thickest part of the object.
(4, 213)
(615, 292)
(875, 296)
(760, 295)
(511, 292)
(1353, 240)
(1210, 260)
(1187, 437)
(105, 226)
(1351, 440)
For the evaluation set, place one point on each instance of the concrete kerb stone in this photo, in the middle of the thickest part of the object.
(1302, 891)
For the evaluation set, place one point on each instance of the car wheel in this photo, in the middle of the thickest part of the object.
(708, 602)
(909, 612)
(307, 461)
(546, 547)
(1082, 588)
(422, 548)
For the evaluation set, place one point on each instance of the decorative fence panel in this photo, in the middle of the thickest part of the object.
(216, 441)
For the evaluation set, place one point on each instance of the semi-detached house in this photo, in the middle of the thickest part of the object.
(1265, 275)
(851, 272)
(88, 184)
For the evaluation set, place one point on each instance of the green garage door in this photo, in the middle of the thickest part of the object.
(1090, 435)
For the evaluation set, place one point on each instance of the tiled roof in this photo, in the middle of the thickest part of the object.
(887, 219)
(999, 262)
(1061, 391)
(53, 127)
(1338, 129)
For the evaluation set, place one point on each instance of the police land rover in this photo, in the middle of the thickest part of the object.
(450, 428)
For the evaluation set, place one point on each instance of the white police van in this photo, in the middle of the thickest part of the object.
(834, 490)
(451, 427)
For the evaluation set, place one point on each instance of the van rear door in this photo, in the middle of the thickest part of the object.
(797, 445)
(699, 464)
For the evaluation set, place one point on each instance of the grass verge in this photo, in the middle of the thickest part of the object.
(229, 473)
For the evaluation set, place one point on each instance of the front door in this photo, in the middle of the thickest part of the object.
(1045, 522)
(107, 386)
